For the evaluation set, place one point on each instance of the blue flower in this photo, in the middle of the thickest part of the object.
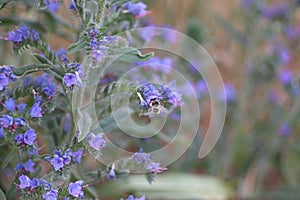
(19, 122)
(57, 162)
(76, 189)
(140, 157)
(77, 155)
(112, 174)
(32, 151)
(70, 79)
(154, 167)
(285, 129)
(10, 105)
(25, 181)
(35, 183)
(97, 142)
(285, 77)
(45, 184)
(52, 5)
(6, 121)
(35, 35)
(72, 5)
(28, 166)
(136, 9)
(36, 111)
(98, 55)
(29, 137)
(51, 195)
(19, 167)
(3, 81)
(1, 132)
(21, 107)
(15, 36)
(19, 138)
(25, 31)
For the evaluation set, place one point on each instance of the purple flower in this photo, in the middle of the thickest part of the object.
(276, 11)
(70, 79)
(32, 151)
(25, 181)
(25, 31)
(72, 5)
(230, 93)
(35, 183)
(1, 132)
(6, 121)
(19, 167)
(36, 111)
(35, 35)
(61, 52)
(76, 155)
(10, 105)
(98, 55)
(3, 81)
(19, 122)
(15, 36)
(285, 77)
(76, 189)
(140, 157)
(51, 195)
(28, 166)
(45, 184)
(136, 9)
(97, 142)
(66, 157)
(147, 34)
(21, 107)
(29, 137)
(19, 138)
(112, 174)
(285, 129)
(154, 167)
(52, 5)
(57, 162)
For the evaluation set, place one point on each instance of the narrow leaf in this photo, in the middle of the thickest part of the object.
(21, 71)
(78, 46)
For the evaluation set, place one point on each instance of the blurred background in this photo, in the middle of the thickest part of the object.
(255, 44)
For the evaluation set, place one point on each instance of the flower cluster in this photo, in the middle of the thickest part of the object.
(22, 34)
(25, 167)
(136, 9)
(74, 74)
(15, 125)
(48, 191)
(6, 75)
(156, 99)
(97, 142)
(60, 160)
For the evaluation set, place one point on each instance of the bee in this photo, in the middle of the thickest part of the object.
(155, 106)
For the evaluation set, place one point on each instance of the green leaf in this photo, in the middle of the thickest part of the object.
(21, 71)
(78, 46)
(84, 124)
(2, 195)
(133, 55)
(42, 59)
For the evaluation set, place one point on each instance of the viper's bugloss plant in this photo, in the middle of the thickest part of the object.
(37, 124)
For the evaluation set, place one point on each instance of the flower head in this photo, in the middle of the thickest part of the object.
(57, 162)
(52, 5)
(36, 110)
(77, 155)
(70, 79)
(136, 9)
(25, 181)
(96, 142)
(29, 137)
(154, 167)
(76, 189)
(51, 195)
(72, 5)
(10, 105)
